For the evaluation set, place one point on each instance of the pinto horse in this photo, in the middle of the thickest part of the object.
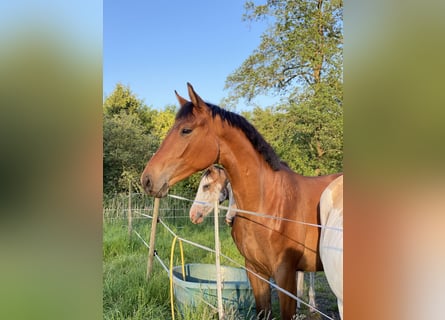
(331, 238)
(273, 246)
(215, 186)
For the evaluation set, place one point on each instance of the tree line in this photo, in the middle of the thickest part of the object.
(299, 58)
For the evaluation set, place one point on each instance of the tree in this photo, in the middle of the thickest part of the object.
(132, 133)
(300, 58)
(303, 48)
(126, 150)
(164, 121)
(123, 100)
(311, 138)
(127, 139)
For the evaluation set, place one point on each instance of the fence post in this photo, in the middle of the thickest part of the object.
(130, 227)
(300, 287)
(151, 249)
(218, 264)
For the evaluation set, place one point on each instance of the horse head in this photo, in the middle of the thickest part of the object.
(189, 147)
(212, 187)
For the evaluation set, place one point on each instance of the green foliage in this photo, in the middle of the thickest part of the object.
(270, 122)
(126, 150)
(312, 135)
(123, 100)
(308, 138)
(164, 121)
(132, 132)
(300, 58)
(302, 47)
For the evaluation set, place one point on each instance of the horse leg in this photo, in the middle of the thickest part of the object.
(261, 292)
(285, 278)
(312, 291)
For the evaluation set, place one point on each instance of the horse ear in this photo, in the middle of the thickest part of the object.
(196, 100)
(181, 100)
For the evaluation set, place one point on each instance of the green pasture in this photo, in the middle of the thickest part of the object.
(126, 292)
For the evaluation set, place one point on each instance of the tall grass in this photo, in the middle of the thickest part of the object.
(126, 292)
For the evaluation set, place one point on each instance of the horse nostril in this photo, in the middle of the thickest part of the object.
(146, 183)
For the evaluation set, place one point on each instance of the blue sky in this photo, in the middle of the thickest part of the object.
(156, 47)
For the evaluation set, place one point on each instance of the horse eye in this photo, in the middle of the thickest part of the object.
(205, 187)
(185, 131)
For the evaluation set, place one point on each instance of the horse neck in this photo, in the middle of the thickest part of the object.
(245, 167)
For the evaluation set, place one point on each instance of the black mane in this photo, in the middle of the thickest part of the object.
(241, 123)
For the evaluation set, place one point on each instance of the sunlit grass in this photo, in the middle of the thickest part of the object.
(128, 295)
(126, 292)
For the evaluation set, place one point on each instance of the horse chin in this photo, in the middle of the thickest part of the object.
(198, 218)
(161, 193)
(198, 221)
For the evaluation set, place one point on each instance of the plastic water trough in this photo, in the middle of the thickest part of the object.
(200, 284)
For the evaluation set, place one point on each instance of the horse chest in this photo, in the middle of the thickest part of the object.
(253, 244)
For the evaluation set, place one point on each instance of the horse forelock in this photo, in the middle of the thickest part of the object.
(185, 111)
(206, 173)
(238, 121)
(209, 170)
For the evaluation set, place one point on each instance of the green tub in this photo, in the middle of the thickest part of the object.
(200, 283)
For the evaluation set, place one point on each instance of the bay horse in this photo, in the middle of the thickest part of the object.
(215, 186)
(204, 134)
(331, 238)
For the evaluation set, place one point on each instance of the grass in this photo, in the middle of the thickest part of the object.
(128, 295)
(126, 292)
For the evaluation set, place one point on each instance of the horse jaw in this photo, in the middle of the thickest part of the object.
(162, 192)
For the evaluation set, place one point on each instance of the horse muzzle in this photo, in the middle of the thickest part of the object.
(196, 216)
(153, 189)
